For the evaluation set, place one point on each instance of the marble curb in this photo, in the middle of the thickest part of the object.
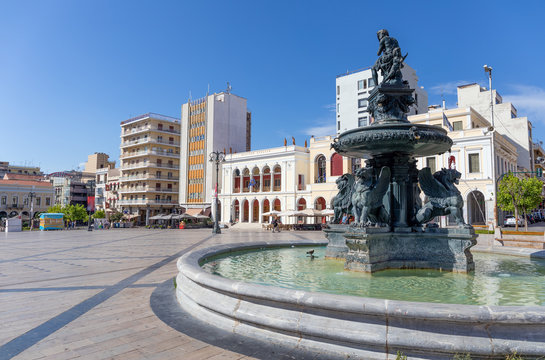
(354, 325)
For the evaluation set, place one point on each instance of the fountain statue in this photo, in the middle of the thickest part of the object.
(391, 227)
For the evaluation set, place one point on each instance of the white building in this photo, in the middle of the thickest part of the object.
(107, 189)
(474, 147)
(217, 122)
(518, 130)
(286, 178)
(353, 89)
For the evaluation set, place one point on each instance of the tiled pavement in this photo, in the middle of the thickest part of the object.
(86, 295)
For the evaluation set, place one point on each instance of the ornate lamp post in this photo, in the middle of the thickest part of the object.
(217, 157)
(31, 195)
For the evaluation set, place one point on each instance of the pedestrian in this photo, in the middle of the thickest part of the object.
(345, 219)
(275, 225)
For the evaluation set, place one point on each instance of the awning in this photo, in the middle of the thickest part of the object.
(193, 212)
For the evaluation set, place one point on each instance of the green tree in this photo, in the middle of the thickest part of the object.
(116, 216)
(57, 208)
(75, 212)
(99, 214)
(519, 195)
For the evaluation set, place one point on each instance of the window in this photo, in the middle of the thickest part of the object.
(362, 84)
(362, 121)
(362, 103)
(457, 125)
(38, 201)
(47, 201)
(338, 90)
(416, 99)
(430, 162)
(15, 200)
(336, 165)
(473, 163)
(338, 108)
(371, 82)
(338, 125)
(355, 165)
(4, 200)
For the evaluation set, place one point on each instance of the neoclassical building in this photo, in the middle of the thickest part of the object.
(282, 179)
(482, 156)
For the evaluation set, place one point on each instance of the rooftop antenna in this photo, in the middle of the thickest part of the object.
(208, 91)
(189, 95)
(228, 87)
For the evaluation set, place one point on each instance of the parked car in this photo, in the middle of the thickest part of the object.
(510, 221)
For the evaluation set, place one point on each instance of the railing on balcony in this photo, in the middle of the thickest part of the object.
(148, 177)
(276, 188)
(150, 164)
(150, 152)
(266, 188)
(319, 180)
(245, 189)
(237, 190)
(147, 189)
(150, 140)
(146, 202)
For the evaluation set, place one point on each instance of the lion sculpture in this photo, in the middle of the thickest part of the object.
(367, 197)
(342, 202)
(444, 197)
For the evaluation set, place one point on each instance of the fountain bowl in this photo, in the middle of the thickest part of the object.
(338, 326)
(393, 138)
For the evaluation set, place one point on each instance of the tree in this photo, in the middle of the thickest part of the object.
(99, 214)
(75, 212)
(519, 195)
(116, 216)
(57, 208)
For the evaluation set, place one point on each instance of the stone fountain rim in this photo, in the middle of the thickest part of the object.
(190, 266)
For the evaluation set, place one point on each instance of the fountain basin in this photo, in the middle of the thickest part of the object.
(403, 138)
(339, 326)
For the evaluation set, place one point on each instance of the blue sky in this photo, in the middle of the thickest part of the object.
(70, 71)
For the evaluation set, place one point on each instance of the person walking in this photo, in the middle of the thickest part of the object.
(275, 225)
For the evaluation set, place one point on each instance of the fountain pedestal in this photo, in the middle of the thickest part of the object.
(375, 249)
(336, 248)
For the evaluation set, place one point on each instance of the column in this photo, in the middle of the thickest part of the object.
(261, 181)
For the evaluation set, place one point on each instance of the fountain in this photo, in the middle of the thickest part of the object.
(392, 231)
(389, 230)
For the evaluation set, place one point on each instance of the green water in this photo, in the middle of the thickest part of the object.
(498, 279)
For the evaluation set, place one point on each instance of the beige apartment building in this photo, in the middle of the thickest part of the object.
(149, 165)
(98, 161)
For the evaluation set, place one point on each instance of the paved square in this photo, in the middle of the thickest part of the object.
(86, 295)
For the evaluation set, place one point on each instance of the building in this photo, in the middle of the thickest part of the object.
(286, 178)
(353, 89)
(474, 148)
(149, 165)
(107, 189)
(20, 197)
(73, 188)
(216, 122)
(98, 161)
(6, 168)
(518, 130)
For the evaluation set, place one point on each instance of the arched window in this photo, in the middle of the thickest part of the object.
(266, 209)
(255, 181)
(277, 185)
(266, 179)
(255, 211)
(336, 165)
(245, 180)
(236, 181)
(320, 169)
(301, 204)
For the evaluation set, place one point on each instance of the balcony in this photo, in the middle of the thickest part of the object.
(150, 164)
(150, 152)
(146, 189)
(276, 188)
(147, 202)
(148, 177)
(149, 140)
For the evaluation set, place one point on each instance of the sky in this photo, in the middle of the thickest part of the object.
(71, 71)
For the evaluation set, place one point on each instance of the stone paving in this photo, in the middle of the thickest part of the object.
(86, 295)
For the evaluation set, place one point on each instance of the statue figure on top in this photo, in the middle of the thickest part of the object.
(390, 60)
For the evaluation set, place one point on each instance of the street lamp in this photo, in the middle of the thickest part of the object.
(31, 195)
(488, 69)
(217, 157)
